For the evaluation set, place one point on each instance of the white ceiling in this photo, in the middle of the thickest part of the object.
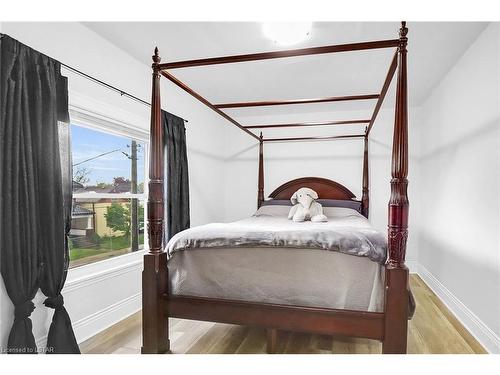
(433, 49)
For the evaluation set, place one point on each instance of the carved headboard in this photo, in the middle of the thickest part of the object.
(326, 189)
(330, 193)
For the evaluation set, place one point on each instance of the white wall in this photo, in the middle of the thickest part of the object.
(100, 294)
(460, 166)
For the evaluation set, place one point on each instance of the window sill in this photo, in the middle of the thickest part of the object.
(98, 271)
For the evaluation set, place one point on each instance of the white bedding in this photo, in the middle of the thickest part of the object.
(346, 231)
(283, 275)
(300, 277)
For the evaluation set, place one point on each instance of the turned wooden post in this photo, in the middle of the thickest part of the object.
(396, 274)
(155, 273)
(365, 200)
(260, 189)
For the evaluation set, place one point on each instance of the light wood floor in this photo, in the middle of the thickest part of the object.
(433, 329)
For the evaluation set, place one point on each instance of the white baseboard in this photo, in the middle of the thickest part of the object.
(486, 337)
(93, 324)
(104, 273)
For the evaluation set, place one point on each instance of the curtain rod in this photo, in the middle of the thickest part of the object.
(102, 83)
(107, 85)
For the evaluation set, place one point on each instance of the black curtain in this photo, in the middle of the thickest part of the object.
(61, 338)
(35, 191)
(176, 176)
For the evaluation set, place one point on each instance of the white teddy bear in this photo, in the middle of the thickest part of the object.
(305, 208)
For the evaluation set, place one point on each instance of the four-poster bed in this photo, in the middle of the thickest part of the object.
(388, 325)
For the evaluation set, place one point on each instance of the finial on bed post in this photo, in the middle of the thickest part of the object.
(156, 57)
(396, 273)
(403, 31)
(155, 273)
(260, 190)
(365, 199)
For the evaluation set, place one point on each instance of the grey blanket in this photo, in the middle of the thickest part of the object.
(346, 232)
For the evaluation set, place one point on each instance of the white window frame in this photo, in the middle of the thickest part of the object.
(86, 118)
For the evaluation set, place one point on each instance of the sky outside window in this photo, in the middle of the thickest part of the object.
(88, 143)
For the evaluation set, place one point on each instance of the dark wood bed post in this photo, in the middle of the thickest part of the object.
(365, 200)
(155, 273)
(260, 189)
(396, 273)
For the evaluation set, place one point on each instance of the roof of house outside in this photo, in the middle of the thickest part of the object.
(80, 211)
(120, 185)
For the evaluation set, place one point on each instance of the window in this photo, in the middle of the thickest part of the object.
(108, 195)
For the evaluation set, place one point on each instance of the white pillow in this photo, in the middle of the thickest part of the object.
(278, 211)
(282, 211)
(340, 212)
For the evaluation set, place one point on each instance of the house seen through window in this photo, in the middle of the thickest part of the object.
(108, 196)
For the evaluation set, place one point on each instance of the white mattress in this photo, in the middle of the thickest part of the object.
(290, 276)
